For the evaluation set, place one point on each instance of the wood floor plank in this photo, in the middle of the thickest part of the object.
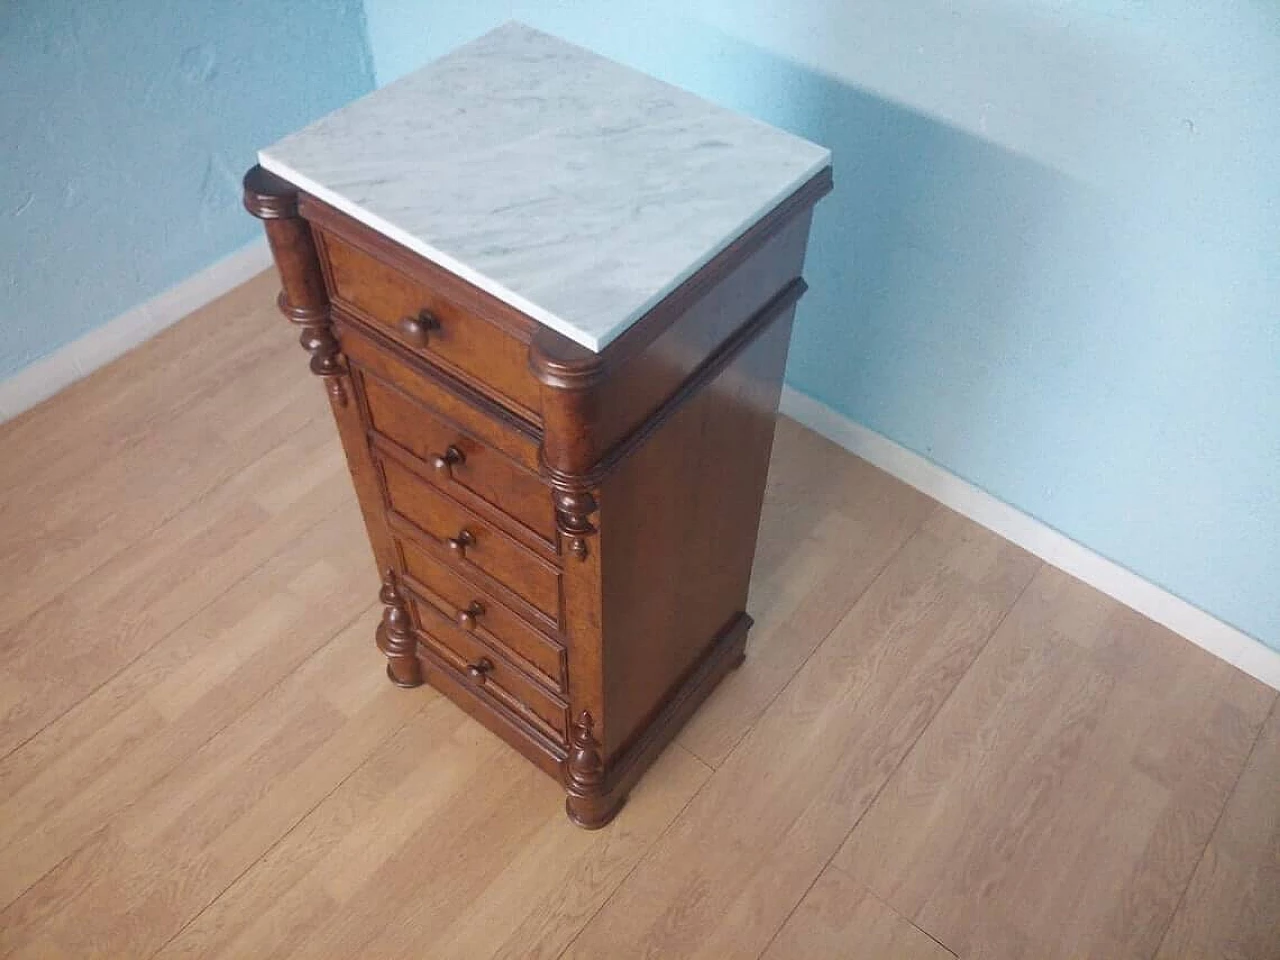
(480, 816)
(839, 919)
(1059, 802)
(358, 875)
(1231, 910)
(158, 862)
(724, 878)
(68, 648)
(284, 895)
(132, 495)
(106, 493)
(130, 732)
(557, 881)
(831, 523)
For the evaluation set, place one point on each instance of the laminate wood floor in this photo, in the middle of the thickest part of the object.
(938, 747)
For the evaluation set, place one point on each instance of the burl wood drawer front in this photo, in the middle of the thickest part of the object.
(496, 426)
(476, 611)
(431, 325)
(469, 541)
(455, 459)
(485, 668)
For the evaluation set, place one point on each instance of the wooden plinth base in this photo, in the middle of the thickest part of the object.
(595, 810)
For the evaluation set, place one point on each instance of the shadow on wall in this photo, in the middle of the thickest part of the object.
(923, 260)
(1102, 359)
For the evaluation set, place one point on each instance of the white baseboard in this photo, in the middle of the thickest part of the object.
(1220, 639)
(42, 379)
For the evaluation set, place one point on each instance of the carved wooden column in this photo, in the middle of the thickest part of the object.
(303, 299)
(395, 635)
(570, 380)
(305, 302)
(568, 454)
(586, 804)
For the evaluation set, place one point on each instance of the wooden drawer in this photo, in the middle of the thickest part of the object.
(430, 324)
(480, 417)
(459, 463)
(470, 542)
(476, 611)
(486, 669)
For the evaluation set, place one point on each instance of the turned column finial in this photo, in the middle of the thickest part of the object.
(573, 518)
(587, 804)
(395, 635)
(302, 298)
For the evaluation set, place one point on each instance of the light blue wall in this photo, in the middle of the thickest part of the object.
(1052, 261)
(126, 127)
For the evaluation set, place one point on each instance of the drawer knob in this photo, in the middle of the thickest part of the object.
(479, 671)
(415, 330)
(460, 543)
(445, 462)
(467, 618)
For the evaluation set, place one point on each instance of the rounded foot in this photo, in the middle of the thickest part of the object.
(413, 680)
(592, 814)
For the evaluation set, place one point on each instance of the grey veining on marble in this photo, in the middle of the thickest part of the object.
(577, 190)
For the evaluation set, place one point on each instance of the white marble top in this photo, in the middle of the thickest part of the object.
(577, 190)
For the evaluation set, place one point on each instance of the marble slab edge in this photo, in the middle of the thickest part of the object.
(593, 342)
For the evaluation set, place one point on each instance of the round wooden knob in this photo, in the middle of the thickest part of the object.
(415, 330)
(445, 462)
(460, 543)
(479, 671)
(467, 618)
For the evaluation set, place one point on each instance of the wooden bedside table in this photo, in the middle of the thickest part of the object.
(550, 299)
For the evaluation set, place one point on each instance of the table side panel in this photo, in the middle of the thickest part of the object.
(678, 526)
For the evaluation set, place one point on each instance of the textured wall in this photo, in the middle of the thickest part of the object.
(126, 127)
(1052, 261)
